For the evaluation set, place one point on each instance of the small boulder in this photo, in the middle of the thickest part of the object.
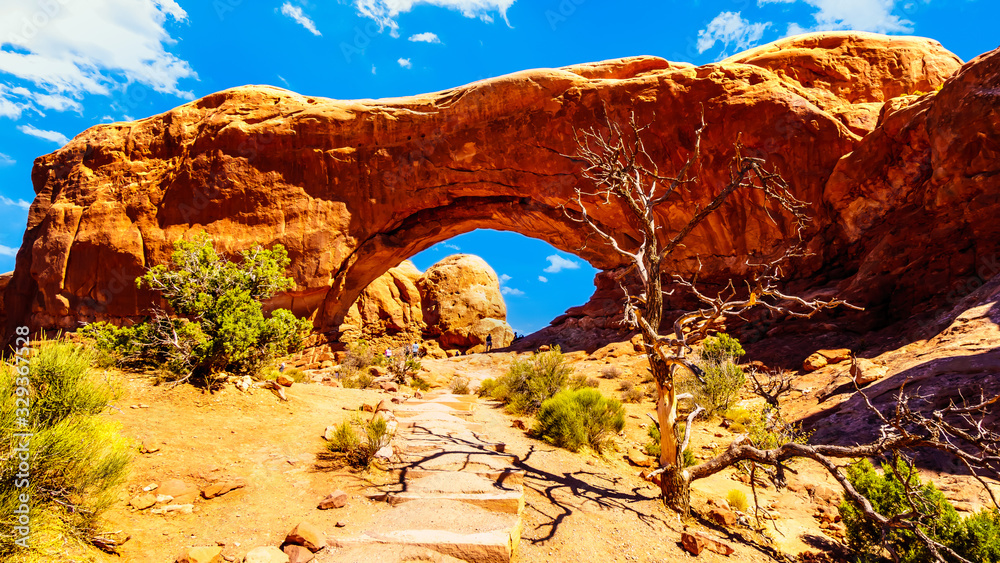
(244, 383)
(544, 348)
(207, 554)
(390, 386)
(149, 448)
(865, 371)
(639, 459)
(284, 380)
(143, 501)
(329, 433)
(298, 554)
(723, 517)
(222, 487)
(695, 543)
(814, 362)
(268, 554)
(338, 499)
(307, 536)
(835, 356)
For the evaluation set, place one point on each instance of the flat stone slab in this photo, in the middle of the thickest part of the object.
(508, 477)
(383, 553)
(458, 459)
(508, 503)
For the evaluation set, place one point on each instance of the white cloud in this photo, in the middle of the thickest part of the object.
(6, 160)
(729, 28)
(426, 37)
(54, 136)
(504, 278)
(863, 15)
(558, 263)
(8, 251)
(405, 63)
(448, 245)
(300, 17)
(511, 291)
(543, 279)
(61, 50)
(384, 12)
(373, 69)
(19, 203)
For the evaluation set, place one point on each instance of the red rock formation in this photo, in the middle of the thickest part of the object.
(457, 301)
(352, 186)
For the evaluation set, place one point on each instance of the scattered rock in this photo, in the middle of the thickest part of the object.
(722, 517)
(181, 491)
(164, 499)
(814, 362)
(695, 543)
(367, 408)
(519, 424)
(341, 524)
(835, 356)
(329, 433)
(268, 554)
(307, 536)
(418, 395)
(639, 459)
(338, 499)
(298, 554)
(544, 348)
(390, 386)
(865, 371)
(221, 488)
(149, 448)
(143, 501)
(284, 380)
(208, 554)
(244, 383)
(150, 487)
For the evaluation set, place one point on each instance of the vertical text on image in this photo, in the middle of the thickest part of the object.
(22, 437)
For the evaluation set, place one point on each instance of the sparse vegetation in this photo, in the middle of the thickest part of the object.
(355, 443)
(460, 385)
(419, 383)
(79, 460)
(401, 367)
(217, 323)
(737, 500)
(580, 381)
(652, 447)
(611, 372)
(723, 378)
(576, 418)
(631, 393)
(529, 382)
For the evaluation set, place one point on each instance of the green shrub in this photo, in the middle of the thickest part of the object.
(575, 418)
(419, 383)
(362, 380)
(737, 500)
(887, 496)
(723, 378)
(530, 382)
(718, 349)
(355, 443)
(487, 388)
(401, 367)
(218, 324)
(78, 458)
(460, 385)
(979, 538)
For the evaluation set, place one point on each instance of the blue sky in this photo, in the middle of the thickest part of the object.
(66, 65)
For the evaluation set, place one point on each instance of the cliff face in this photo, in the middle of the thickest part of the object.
(352, 186)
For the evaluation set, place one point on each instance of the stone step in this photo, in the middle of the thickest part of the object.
(453, 528)
(506, 477)
(459, 486)
(508, 503)
(457, 459)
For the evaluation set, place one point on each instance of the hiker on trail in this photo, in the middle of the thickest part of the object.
(416, 349)
(281, 368)
(489, 342)
(388, 353)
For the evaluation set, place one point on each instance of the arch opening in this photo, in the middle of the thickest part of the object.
(456, 290)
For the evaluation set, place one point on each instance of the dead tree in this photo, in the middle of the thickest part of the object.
(619, 171)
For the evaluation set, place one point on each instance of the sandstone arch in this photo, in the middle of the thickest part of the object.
(353, 187)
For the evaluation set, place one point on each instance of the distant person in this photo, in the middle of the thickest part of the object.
(416, 349)
(388, 353)
(489, 342)
(281, 368)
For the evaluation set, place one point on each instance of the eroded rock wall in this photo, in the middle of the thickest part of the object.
(350, 186)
